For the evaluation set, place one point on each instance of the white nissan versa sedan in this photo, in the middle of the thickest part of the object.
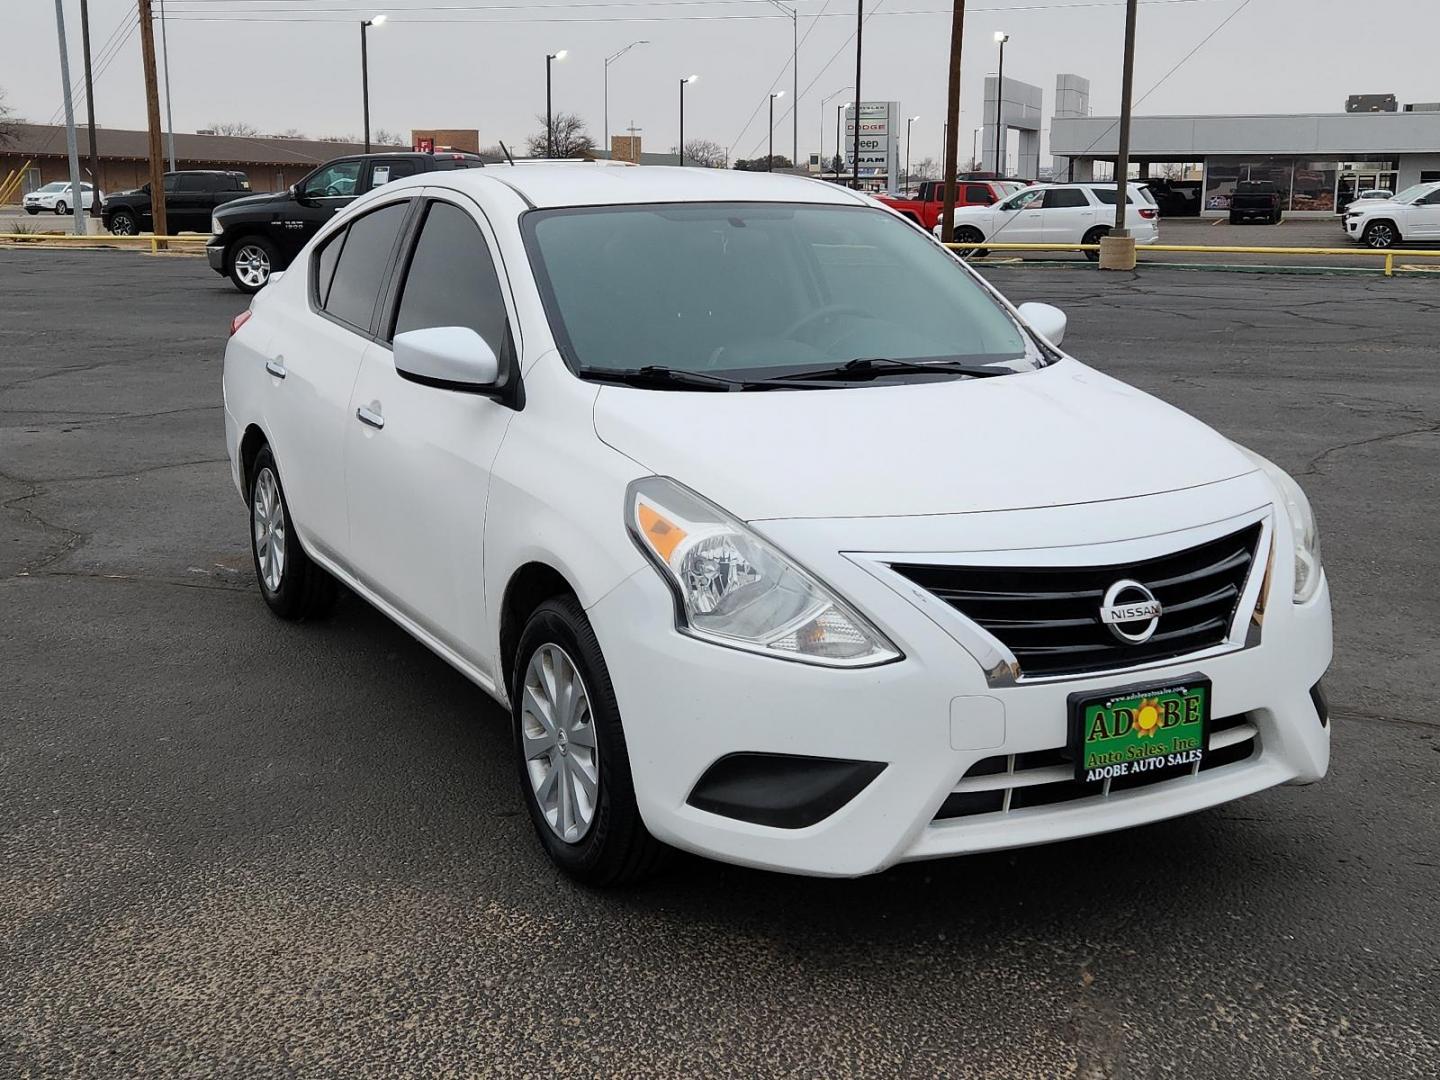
(783, 536)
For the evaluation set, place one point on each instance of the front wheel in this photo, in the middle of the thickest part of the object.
(32, 210)
(294, 586)
(1381, 234)
(570, 748)
(1094, 236)
(252, 260)
(61, 208)
(123, 224)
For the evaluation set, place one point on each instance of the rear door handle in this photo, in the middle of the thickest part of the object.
(276, 367)
(369, 416)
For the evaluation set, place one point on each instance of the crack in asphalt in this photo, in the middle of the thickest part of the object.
(1313, 467)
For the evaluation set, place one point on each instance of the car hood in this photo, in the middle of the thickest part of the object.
(1059, 436)
(1367, 205)
(239, 206)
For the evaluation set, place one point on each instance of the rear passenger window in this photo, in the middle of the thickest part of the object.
(978, 195)
(452, 280)
(361, 265)
(1057, 198)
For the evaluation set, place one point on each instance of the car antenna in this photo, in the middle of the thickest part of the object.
(506, 150)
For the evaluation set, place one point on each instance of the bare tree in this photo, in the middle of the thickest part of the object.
(386, 137)
(760, 164)
(8, 120)
(234, 127)
(569, 136)
(925, 169)
(339, 139)
(705, 153)
(290, 133)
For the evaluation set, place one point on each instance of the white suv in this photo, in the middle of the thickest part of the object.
(1413, 216)
(1058, 214)
(56, 198)
(782, 536)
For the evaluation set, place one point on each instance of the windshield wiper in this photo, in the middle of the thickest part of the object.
(875, 367)
(659, 376)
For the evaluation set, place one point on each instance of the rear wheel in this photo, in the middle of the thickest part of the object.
(293, 586)
(1093, 237)
(252, 260)
(969, 234)
(1381, 234)
(570, 747)
(123, 224)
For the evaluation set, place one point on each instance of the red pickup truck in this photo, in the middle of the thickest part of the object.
(929, 202)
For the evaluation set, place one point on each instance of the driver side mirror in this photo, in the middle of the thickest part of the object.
(1047, 321)
(448, 357)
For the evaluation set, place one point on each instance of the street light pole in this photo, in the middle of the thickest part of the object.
(550, 58)
(770, 154)
(1122, 161)
(608, 61)
(378, 20)
(684, 83)
(908, 122)
(859, 42)
(823, 102)
(1001, 37)
(794, 14)
(165, 63)
(77, 191)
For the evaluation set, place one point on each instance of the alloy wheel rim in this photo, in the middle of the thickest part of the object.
(124, 226)
(1380, 236)
(252, 265)
(557, 734)
(267, 512)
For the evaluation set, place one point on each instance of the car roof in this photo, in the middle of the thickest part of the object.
(581, 183)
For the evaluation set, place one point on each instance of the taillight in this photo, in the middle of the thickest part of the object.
(1148, 214)
(239, 321)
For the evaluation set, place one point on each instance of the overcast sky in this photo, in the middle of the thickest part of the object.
(282, 64)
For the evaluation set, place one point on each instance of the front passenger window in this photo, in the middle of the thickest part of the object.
(337, 181)
(452, 280)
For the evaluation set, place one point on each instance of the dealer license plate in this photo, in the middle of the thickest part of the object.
(1132, 730)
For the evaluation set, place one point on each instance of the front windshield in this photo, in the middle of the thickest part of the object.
(56, 186)
(759, 289)
(1416, 191)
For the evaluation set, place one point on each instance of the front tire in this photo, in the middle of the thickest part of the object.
(252, 261)
(1094, 236)
(61, 208)
(574, 766)
(969, 234)
(294, 586)
(32, 210)
(123, 224)
(1381, 234)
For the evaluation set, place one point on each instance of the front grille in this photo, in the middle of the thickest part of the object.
(1049, 616)
(998, 785)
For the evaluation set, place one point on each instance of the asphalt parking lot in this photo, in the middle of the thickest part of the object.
(235, 847)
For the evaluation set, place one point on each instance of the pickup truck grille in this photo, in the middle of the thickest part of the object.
(1049, 617)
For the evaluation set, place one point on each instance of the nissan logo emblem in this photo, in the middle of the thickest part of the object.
(1131, 612)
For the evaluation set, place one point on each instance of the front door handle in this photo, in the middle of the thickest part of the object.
(369, 416)
(276, 367)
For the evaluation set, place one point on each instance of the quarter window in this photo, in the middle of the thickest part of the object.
(361, 264)
(452, 280)
(1107, 195)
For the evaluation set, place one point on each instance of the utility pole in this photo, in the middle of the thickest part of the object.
(90, 110)
(859, 42)
(169, 119)
(1000, 37)
(1120, 244)
(77, 193)
(152, 116)
(952, 121)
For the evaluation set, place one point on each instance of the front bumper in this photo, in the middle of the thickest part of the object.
(928, 718)
(215, 256)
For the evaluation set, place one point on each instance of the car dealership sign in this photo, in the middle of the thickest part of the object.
(880, 126)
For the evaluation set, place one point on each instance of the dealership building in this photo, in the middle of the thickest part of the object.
(1317, 160)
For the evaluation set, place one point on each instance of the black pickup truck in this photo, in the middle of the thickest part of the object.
(1256, 200)
(190, 197)
(252, 238)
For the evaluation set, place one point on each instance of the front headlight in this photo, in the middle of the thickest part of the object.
(734, 588)
(1302, 526)
(215, 227)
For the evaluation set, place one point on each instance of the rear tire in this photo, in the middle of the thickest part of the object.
(1381, 234)
(251, 260)
(573, 764)
(1093, 237)
(294, 586)
(969, 234)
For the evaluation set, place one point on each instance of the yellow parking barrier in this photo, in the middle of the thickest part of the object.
(1388, 254)
(11, 186)
(154, 243)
